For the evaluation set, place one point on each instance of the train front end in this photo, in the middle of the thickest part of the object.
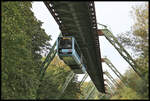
(67, 51)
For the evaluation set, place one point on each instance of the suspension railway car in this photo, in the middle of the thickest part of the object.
(68, 51)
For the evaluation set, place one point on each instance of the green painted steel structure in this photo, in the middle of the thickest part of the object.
(84, 78)
(109, 83)
(113, 40)
(113, 68)
(68, 79)
(90, 92)
(111, 78)
(78, 19)
(45, 65)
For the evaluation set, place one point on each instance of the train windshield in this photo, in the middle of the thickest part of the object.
(65, 43)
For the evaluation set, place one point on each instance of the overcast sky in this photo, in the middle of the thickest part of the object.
(116, 15)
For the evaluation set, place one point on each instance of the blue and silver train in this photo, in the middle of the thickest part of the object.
(68, 50)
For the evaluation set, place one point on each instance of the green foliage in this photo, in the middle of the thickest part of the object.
(54, 79)
(85, 88)
(136, 88)
(136, 39)
(126, 93)
(22, 42)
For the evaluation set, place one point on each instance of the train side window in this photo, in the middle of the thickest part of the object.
(77, 49)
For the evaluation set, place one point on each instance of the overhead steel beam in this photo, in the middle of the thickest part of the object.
(84, 29)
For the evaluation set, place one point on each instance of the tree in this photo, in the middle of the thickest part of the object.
(137, 39)
(53, 80)
(126, 93)
(135, 89)
(23, 40)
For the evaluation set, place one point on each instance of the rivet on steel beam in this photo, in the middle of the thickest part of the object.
(53, 10)
(50, 5)
(56, 14)
(91, 3)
